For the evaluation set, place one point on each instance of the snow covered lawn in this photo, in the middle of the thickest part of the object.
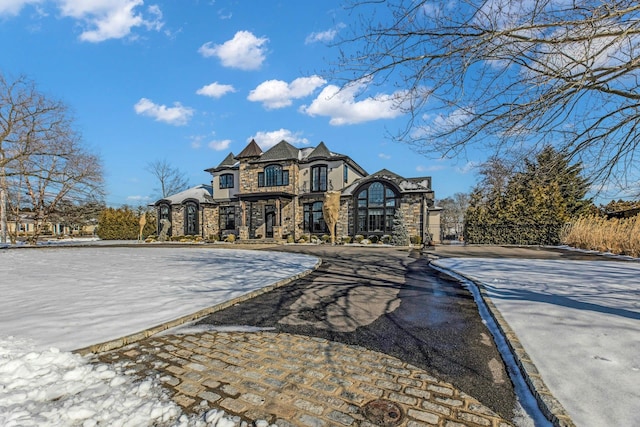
(69, 298)
(579, 321)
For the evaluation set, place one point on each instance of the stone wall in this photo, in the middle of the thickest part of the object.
(249, 177)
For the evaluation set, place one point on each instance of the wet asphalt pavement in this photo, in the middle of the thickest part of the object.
(386, 300)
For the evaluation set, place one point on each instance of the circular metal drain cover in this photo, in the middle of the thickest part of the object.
(383, 413)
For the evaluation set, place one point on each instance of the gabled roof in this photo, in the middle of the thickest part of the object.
(419, 184)
(202, 193)
(229, 162)
(405, 185)
(251, 150)
(321, 151)
(281, 151)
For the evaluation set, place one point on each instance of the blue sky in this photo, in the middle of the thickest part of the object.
(190, 81)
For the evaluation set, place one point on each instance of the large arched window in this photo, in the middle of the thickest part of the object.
(376, 206)
(191, 218)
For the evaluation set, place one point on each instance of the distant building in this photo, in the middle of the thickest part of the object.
(279, 194)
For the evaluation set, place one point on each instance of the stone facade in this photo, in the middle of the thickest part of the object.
(278, 195)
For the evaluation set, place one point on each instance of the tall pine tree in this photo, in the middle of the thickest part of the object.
(532, 207)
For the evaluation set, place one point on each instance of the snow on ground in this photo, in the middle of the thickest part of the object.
(83, 296)
(69, 298)
(579, 321)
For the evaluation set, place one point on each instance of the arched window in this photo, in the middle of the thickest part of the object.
(164, 212)
(273, 176)
(190, 218)
(376, 206)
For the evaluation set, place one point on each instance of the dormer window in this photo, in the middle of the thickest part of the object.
(273, 176)
(319, 178)
(226, 180)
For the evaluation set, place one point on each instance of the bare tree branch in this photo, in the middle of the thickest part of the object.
(499, 74)
(40, 148)
(171, 179)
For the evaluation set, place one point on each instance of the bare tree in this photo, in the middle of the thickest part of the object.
(172, 180)
(41, 156)
(452, 216)
(504, 74)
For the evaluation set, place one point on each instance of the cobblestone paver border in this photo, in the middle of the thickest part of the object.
(294, 380)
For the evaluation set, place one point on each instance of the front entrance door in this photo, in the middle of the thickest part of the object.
(269, 220)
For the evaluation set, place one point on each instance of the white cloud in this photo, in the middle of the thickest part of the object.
(324, 36)
(215, 90)
(434, 168)
(468, 167)
(177, 115)
(13, 7)
(111, 19)
(220, 145)
(278, 94)
(342, 107)
(267, 140)
(244, 51)
(384, 156)
(138, 198)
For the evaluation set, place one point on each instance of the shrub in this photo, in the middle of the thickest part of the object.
(386, 239)
(416, 240)
(124, 224)
(359, 238)
(616, 235)
(373, 239)
(289, 238)
(346, 239)
(326, 238)
(231, 238)
(303, 238)
(365, 242)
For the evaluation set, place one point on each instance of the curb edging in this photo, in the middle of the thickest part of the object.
(146, 333)
(551, 408)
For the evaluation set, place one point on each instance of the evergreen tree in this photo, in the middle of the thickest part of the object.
(123, 224)
(399, 233)
(532, 207)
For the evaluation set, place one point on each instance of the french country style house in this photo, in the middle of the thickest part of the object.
(279, 194)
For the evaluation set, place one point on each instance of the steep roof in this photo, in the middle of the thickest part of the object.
(321, 151)
(281, 151)
(251, 150)
(229, 162)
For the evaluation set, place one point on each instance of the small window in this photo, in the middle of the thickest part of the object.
(226, 180)
(273, 176)
(345, 173)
